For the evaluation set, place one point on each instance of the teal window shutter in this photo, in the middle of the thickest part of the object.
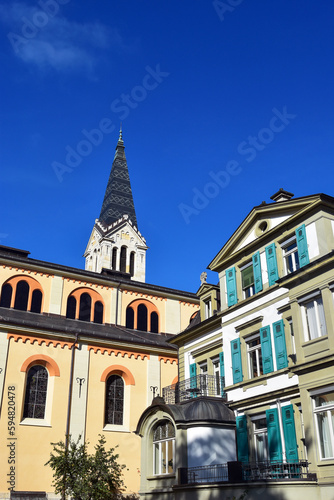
(231, 286)
(236, 361)
(289, 431)
(257, 272)
(274, 436)
(302, 246)
(222, 373)
(280, 345)
(266, 350)
(272, 264)
(193, 379)
(242, 439)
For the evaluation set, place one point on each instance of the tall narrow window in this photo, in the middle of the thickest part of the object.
(85, 307)
(254, 356)
(324, 413)
(114, 400)
(154, 322)
(6, 295)
(314, 318)
(130, 318)
(142, 318)
(290, 255)
(36, 390)
(132, 263)
(123, 260)
(247, 278)
(36, 301)
(21, 297)
(261, 439)
(164, 448)
(98, 312)
(71, 307)
(114, 259)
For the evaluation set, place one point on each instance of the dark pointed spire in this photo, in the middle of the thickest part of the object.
(118, 200)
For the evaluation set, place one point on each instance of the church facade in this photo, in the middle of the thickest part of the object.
(83, 352)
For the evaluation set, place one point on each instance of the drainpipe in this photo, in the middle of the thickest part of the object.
(116, 313)
(70, 393)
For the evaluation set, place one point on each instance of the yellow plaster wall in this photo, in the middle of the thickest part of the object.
(71, 285)
(169, 371)
(33, 442)
(159, 302)
(187, 310)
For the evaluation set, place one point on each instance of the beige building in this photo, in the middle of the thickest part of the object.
(83, 351)
(261, 348)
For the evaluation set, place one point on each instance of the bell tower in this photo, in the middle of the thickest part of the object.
(115, 242)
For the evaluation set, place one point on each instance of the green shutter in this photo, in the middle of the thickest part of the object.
(267, 354)
(222, 373)
(193, 378)
(289, 431)
(242, 439)
(274, 436)
(280, 345)
(231, 286)
(272, 264)
(302, 246)
(257, 272)
(236, 361)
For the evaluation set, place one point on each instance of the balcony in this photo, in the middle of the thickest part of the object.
(200, 385)
(232, 472)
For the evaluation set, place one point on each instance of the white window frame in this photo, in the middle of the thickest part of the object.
(250, 290)
(216, 374)
(208, 308)
(169, 441)
(320, 323)
(203, 369)
(324, 409)
(290, 253)
(262, 431)
(258, 356)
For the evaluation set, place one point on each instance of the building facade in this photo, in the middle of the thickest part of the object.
(83, 352)
(262, 347)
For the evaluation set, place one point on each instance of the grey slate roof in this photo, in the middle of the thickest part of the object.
(118, 200)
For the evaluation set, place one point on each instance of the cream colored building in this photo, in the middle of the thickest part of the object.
(83, 351)
(262, 347)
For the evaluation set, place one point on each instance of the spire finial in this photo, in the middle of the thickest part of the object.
(120, 133)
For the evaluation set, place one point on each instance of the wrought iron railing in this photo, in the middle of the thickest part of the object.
(245, 472)
(200, 385)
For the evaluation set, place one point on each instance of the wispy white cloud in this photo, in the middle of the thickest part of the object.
(55, 42)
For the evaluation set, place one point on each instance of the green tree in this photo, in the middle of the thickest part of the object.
(81, 476)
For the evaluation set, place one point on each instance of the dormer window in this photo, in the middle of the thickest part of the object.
(208, 308)
(247, 280)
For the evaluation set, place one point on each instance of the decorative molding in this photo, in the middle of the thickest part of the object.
(184, 303)
(39, 340)
(116, 352)
(27, 271)
(168, 358)
(118, 370)
(41, 359)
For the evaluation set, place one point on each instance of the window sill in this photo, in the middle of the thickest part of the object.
(116, 428)
(37, 422)
(314, 341)
(325, 461)
(161, 476)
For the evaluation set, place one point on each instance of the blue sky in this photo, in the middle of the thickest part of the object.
(222, 104)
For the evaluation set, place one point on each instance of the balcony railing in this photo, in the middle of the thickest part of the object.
(239, 472)
(200, 385)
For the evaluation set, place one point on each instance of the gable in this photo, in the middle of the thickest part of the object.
(262, 221)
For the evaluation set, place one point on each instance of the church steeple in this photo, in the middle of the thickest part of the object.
(115, 243)
(118, 199)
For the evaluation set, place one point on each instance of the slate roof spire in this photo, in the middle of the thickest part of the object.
(118, 200)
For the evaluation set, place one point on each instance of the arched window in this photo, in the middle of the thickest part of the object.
(142, 318)
(163, 448)
(85, 307)
(36, 391)
(71, 307)
(21, 297)
(130, 317)
(114, 400)
(6, 295)
(114, 259)
(132, 263)
(36, 301)
(154, 322)
(123, 260)
(98, 312)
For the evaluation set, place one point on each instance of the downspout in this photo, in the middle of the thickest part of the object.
(70, 393)
(116, 312)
